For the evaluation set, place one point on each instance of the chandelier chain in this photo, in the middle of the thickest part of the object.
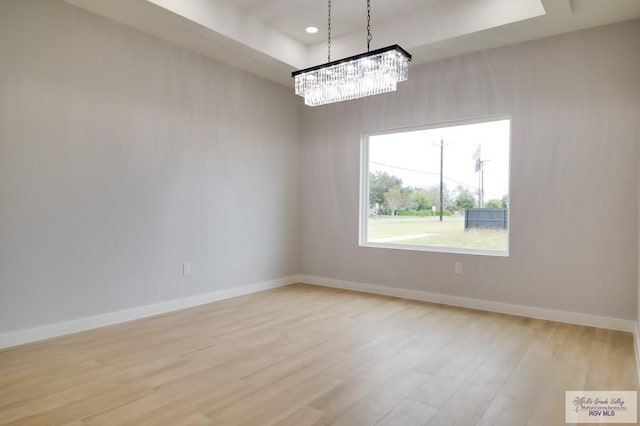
(369, 36)
(329, 35)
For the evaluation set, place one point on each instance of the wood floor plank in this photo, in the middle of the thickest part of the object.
(305, 355)
(175, 411)
(304, 416)
(273, 403)
(408, 413)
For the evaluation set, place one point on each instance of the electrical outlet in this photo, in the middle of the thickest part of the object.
(457, 268)
(186, 268)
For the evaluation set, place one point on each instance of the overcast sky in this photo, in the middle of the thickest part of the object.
(414, 156)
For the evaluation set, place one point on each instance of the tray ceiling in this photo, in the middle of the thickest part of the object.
(267, 37)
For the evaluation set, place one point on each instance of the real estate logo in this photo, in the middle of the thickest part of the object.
(601, 407)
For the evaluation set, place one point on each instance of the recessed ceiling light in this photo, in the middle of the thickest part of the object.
(311, 30)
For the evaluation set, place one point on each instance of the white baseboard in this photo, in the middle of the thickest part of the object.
(636, 346)
(81, 324)
(484, 305)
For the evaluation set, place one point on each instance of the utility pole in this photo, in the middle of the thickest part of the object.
(480, 184)
(441, 176)
(482, 174)
(479, 169)
(482, 181)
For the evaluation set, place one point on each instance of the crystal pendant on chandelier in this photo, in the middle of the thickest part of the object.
(355, 77)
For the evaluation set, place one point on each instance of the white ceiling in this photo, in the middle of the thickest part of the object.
(267, 37)
(291, 17)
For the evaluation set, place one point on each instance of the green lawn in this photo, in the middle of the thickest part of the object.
(448, 233)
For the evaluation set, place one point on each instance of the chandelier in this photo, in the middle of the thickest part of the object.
(366, 74)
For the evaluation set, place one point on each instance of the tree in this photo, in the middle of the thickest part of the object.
(505, 201)
(447, 201)
(421, 199)
(379, 184)
(409, 202)
(464, 199)
(426, 198)
(394, 199)
(494, 204)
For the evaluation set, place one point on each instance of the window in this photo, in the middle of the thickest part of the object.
(440, 188)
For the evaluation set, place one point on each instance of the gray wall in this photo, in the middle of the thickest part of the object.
(574, 183)
(122, 156)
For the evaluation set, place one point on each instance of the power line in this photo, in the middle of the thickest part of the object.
(433, 174)
(404, 168)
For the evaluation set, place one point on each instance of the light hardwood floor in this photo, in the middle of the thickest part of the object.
(304, 355)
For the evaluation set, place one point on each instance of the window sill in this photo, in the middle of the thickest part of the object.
(438, 249)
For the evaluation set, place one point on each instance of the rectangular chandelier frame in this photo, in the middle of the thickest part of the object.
(365, 74)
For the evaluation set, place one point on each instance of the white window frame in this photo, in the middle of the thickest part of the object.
(364, 190)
